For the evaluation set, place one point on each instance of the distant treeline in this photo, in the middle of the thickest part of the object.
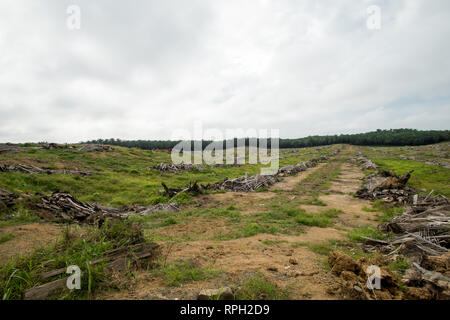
(392, 137)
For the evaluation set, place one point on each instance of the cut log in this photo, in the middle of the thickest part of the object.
(43, 291)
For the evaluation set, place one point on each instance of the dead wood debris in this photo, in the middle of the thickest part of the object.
(36, 170)
(9, 147)
(247, 183)
(7, 198)
(95, 148)
(117, 261)
(243, 184)
(422, 235)
(63, 207)
(365, 163)
(388, 186)
(176, 168)
(422, 230)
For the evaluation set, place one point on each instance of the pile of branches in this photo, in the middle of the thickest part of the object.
(35, 170)
(95, 148)
(388, 186)
(422, 235)
(243, 184)
(8, 199)
(63, 207)
(175, 168)
(191, 187)
(302, 166)
(365, 163)
(295, 168)
(246, 183)
(424, 228)
(55, 146)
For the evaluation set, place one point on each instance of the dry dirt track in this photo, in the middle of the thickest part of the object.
(27, 238)
(286, 264)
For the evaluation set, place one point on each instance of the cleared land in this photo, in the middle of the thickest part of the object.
(274, 243)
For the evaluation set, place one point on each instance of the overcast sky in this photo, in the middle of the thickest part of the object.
(141, 69)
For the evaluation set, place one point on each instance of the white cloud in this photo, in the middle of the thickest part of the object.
(140, 70)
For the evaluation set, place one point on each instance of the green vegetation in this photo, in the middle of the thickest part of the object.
(181, 272)
(258, 287)
(121, 177)
(6, 237)
(313, 202)
(426, 177)
(322, 219)
(320, 180)
(389, 210)
(272, 242)
(322, 248)
(20, 216)
(399, 266)
(359, 234)
(74, 248)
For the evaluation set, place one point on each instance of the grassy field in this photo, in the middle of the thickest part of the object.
(122, 177)
(426, 177)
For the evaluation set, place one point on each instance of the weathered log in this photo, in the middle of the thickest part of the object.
(118, 262)
(43, 291)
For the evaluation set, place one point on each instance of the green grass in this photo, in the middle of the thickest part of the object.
(272, 242)
(358, 234)
(313, 202)
(320, 180)
(22, 273)
(424, 178)
(389, 211)
(323, 219)
(322, 248)
(122, 177)
(20, 216)
(258, 287)
(6, 237)
(182, 272)
(399, 266)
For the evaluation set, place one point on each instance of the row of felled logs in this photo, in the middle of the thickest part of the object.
(248, 183)
(243, 184)
(63, 207)
(175, 168)
(36, 170)
(365, 163)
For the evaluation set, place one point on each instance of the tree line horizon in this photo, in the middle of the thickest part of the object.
(391, 137)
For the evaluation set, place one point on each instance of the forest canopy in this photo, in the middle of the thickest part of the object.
(392, 137)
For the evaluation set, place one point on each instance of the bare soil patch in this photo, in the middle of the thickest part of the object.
(27, 238)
